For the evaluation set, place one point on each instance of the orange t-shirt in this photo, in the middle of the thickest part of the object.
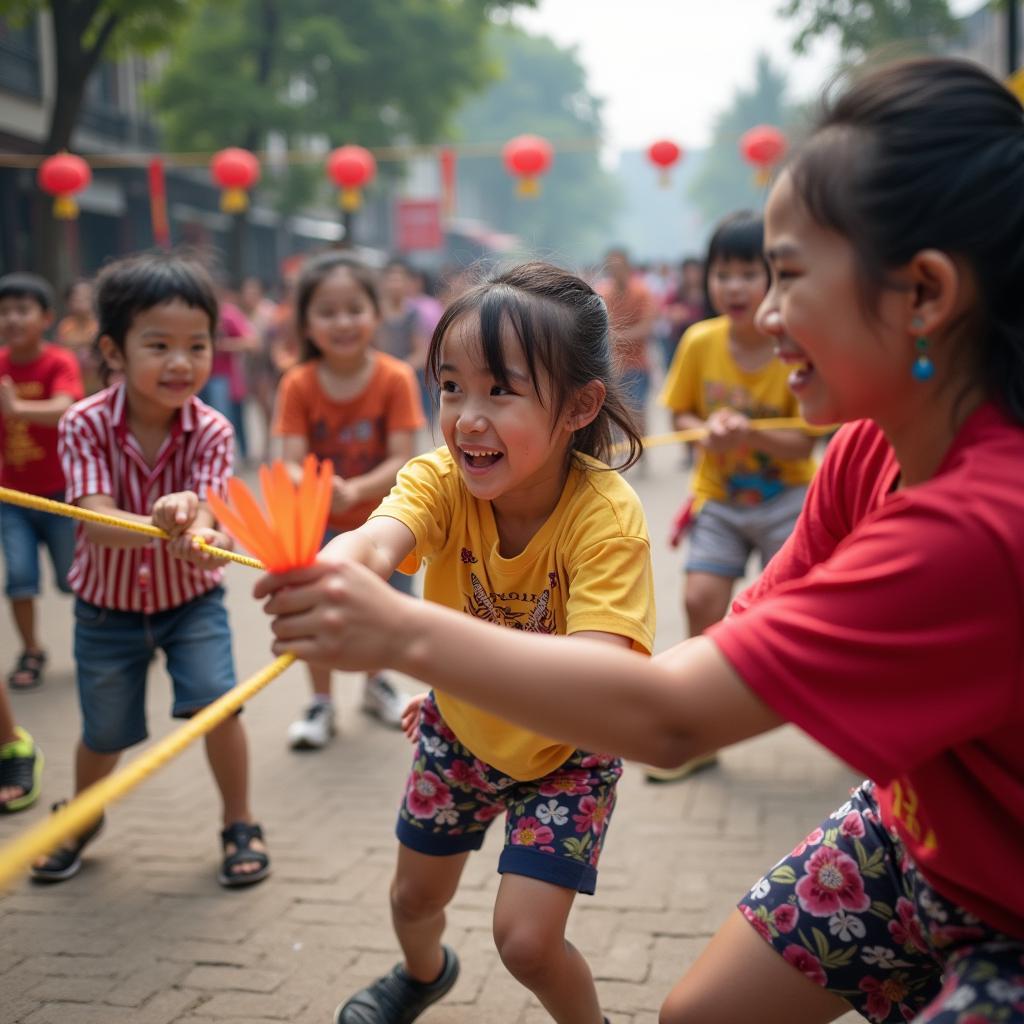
(626, 309)
(353, 434)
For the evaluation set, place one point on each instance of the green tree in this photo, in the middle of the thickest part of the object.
(725, 182)
(319, 71)
(542, 91)
(861, 26)
(84, 33)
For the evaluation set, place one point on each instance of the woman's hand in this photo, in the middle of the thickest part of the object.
(337, 613)
(411, 716)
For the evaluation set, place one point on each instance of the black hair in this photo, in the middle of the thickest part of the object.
(929, 154)
(130, 286)
(562, 325)
(740, 236)
(28, 286)
(313, 274)
(398, 263)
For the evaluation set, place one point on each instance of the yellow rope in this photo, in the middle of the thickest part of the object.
(76, 816)
(60, 508)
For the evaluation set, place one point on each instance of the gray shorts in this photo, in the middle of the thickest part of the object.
(723, 536)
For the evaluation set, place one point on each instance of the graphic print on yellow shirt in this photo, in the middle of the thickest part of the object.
(704, 377)
(588, 568)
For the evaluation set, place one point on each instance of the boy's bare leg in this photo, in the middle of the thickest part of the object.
(227, 750)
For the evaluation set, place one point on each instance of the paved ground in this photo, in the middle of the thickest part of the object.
(145, 935)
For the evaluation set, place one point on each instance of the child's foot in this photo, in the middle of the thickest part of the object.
(66, 861)
(684, 771)
(396, 998)
(314, 729)
(21, 773)
(245, 857)
(383, 701)
(27, 674)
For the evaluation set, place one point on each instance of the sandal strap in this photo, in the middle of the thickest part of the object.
(18, 771)
(241, 834)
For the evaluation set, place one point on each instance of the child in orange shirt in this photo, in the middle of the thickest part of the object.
(361, 409)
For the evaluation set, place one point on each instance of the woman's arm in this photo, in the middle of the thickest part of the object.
(661, 710)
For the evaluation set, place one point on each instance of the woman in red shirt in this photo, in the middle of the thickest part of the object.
(889, 625)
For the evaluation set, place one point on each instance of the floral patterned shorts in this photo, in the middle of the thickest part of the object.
(849, 908)
(554, 826)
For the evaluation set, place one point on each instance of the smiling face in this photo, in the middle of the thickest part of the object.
(166, 358)
(341, 320)
(501, 433)
(737, 287)
(848, 362)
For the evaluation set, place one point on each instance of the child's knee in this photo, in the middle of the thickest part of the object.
(412, 900)
(526, 950)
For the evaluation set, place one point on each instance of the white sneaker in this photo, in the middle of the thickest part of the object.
(383, 701)
(313, 730)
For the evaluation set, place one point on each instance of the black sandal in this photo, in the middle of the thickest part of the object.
(66, 861)
(240, 834)
(396, 998)
(30, 664)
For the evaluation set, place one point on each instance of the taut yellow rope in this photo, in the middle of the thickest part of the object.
(60, 508)
(76, 816)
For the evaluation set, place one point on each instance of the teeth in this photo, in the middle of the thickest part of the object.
(466, 451)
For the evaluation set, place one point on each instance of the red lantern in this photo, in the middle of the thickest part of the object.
(527, 157)
(62, 176)
(763, 146)
(663, 154)
(351, 168)
(235, 170)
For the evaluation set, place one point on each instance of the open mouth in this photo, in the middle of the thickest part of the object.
(483, 458)
(801, 368)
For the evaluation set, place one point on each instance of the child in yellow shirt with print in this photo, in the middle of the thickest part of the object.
(748, 487)
(522, 525)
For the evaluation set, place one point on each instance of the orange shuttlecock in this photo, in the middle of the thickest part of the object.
(288, 535)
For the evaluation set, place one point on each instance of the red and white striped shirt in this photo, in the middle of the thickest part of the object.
(100, 455)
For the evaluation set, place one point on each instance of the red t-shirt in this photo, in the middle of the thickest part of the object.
(889, 628)
(30, 461)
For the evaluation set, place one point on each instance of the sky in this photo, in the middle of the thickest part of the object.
(665, 68)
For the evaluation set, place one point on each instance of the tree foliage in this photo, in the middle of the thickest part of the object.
(319, 72)
(725, 182)
(542, 90)
(861, 26)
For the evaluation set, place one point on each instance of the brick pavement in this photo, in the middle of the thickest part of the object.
(145, 935)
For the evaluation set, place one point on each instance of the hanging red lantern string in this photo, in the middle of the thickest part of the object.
(62, 176)
(235, 170)
(663, 154)
(351, 168)
(527, 157)
(763, 146)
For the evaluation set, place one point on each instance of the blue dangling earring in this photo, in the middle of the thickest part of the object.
(923, 368)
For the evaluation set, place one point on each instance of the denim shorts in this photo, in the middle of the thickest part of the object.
(849, 908)
(23, 530)
(723, 536)
(554, 826)
(113, 651)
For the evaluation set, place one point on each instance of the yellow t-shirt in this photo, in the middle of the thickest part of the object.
(704, 377)
(587, 568)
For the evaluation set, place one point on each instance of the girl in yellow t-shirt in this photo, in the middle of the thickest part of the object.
(520, 525)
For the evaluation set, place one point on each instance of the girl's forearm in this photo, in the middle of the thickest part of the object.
(783, 444)
(377, 483)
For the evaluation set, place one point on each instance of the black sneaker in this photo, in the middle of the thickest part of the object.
(396, 998)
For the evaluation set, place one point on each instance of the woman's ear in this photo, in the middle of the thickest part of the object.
(940, 289)
(112, 354)
(586, 405)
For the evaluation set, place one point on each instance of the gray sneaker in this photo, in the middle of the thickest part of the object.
(314, 729)
(383, 701)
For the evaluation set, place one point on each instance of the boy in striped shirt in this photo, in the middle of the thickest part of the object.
(146, 450)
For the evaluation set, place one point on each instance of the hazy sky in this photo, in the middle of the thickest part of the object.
(666, 67)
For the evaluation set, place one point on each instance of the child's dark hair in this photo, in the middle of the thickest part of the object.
(562, 324)
(130, 286)
(28, 286)
(929, 154)
(740, 236)
(313, 274)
